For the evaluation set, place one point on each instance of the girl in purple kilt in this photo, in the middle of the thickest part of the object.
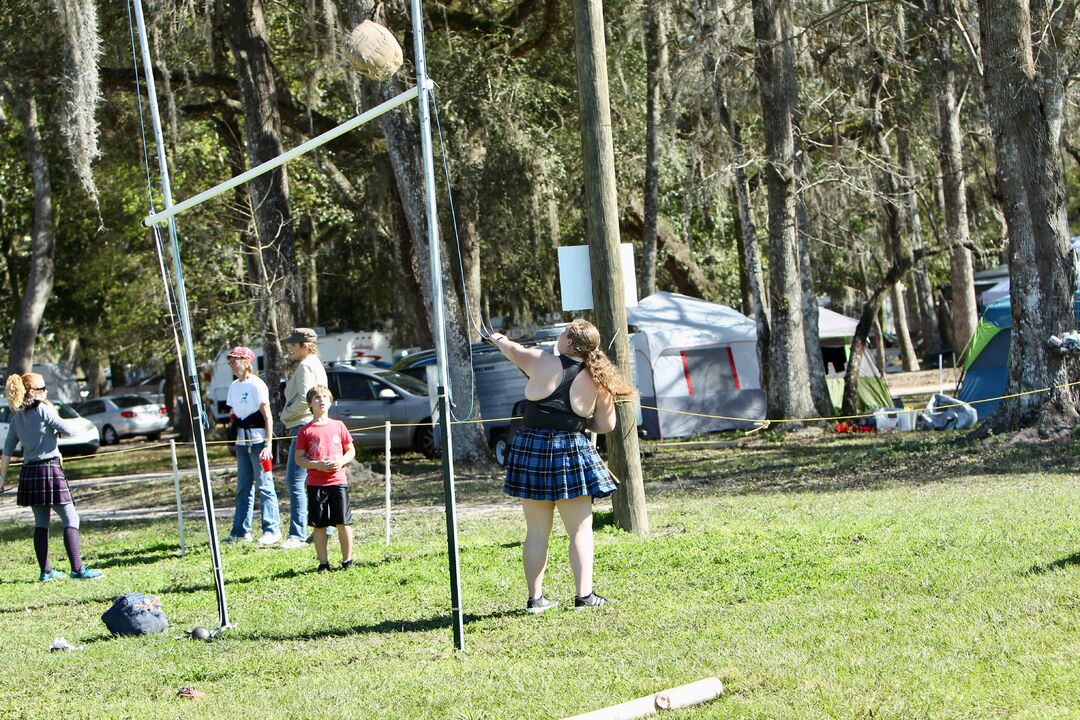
(551, 464)
(35, 424)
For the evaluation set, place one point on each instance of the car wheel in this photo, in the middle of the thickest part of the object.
(424, 442)
(501, 446)
(109, 436)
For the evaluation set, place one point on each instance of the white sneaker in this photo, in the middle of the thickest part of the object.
(270, 538)
(246, 537)
(292, 543)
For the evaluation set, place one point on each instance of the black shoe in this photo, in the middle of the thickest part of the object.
(539, 605)
(591, 600)
(346, 564)
(324, 567)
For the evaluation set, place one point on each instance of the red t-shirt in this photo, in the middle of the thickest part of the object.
(325, 442)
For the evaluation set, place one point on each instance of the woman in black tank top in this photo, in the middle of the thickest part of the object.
(551, 464)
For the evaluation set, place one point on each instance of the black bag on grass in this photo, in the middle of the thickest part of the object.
(135, 614)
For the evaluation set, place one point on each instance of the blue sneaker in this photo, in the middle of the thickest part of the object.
(50, 576)
(86, 573)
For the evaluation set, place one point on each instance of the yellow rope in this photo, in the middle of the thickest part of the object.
(762, 424)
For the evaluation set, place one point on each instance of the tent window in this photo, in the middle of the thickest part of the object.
(709, 371)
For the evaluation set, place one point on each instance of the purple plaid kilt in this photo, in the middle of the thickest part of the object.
(42, 482)
(555, 465)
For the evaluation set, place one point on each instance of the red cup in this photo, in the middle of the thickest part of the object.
(267, 463)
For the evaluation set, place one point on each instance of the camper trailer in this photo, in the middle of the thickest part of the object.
(344, 348)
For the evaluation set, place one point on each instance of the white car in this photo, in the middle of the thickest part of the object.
(125, 416)
(84, 442)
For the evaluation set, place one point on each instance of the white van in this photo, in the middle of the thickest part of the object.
(344, 348)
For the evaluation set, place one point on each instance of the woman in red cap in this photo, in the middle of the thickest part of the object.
(42, 485)
(249, 400)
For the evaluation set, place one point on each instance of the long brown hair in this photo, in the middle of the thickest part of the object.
(585, 343)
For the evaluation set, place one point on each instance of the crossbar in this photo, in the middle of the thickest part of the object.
(283, 158)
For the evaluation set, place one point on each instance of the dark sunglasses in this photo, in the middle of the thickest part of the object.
(40, 388)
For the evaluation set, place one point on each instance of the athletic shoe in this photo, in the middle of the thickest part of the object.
(539, 605)
(345, 565)
(51, 575)
(292, 543)
(270, 538)
(323, 567)
(590, 601)
(246, 537)
(86, 573)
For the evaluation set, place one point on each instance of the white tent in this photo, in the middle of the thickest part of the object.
(694, 356)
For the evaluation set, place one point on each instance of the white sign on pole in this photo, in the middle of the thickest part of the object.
(575, 277)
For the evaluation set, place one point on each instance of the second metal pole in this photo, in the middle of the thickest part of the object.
(425, 85)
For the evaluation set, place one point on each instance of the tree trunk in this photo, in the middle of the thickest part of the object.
(403, 143)
(788, 390)
(278, 297)
(602, 226)
(867, 320)
(887, 187)
(656, 59)
(1024, 83)
(749, 258)
(929, 332)
(953, 185)
(39, 281)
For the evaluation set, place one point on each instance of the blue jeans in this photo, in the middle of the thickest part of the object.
(248, 468)
(295, 482)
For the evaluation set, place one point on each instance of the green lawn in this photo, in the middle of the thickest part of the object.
(900, 577)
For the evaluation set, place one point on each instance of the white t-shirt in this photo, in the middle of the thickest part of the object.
(246, 396)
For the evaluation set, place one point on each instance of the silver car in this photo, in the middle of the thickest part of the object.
(125, 416)
(366, 397)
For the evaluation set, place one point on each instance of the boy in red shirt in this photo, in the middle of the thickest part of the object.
(324, 447)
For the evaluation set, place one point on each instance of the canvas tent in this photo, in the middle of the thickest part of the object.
(986, 362)
(700, 358)
(835, 332)
(694, 356)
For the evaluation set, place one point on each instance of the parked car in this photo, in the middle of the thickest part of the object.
(152, 388)
(366, 397)
(125, 416)
(84, 442)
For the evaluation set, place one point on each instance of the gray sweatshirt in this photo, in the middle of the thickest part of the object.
(37, 428)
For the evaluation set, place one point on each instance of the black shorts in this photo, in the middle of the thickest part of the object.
(328, 505)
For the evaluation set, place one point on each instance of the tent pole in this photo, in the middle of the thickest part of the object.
(191, 371)
(425, 85)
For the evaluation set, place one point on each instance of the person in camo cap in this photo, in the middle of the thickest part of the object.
(304, 373)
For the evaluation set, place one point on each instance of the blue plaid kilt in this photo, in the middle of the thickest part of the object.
(555, 465)
(42, 483)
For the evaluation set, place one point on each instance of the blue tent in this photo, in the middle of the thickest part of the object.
(986, 363)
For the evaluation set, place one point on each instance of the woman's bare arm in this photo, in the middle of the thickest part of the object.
(525, 358)
(603, 417)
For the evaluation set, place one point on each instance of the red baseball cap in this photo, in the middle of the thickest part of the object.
(243, 353)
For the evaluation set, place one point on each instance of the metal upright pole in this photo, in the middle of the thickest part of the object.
(198, 416)
(425, 85)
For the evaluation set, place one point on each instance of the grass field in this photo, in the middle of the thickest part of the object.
(901, 577)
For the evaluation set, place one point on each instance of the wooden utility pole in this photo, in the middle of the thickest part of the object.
(609, 304)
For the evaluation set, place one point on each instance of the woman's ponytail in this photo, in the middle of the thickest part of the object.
(16, 392)
(585, 341)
